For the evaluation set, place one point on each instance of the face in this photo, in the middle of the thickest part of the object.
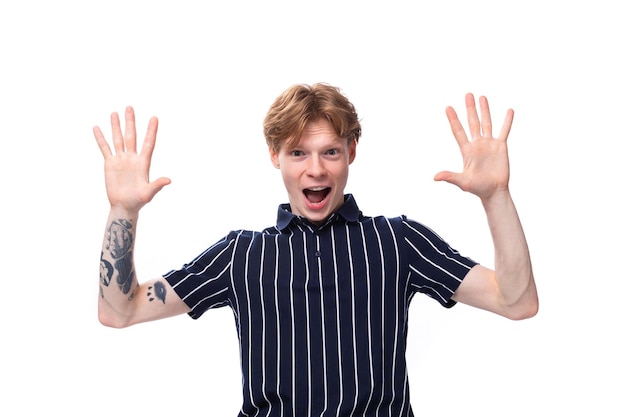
(315, 171)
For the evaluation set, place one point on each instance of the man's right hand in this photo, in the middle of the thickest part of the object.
(127, 172)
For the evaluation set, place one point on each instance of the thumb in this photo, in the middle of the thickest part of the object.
(158, 184)
(446, 176)
(454, 178)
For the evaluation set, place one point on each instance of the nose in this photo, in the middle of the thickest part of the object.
(315, 167)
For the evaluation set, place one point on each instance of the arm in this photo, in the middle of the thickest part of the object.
(509, 290)
(123, 301)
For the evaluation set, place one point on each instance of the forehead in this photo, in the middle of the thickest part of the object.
(319, 131)
(319, 127)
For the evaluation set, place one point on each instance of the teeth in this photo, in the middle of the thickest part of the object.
(317, 188)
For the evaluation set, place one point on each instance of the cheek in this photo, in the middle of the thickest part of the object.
(289, 174)
(341, 173)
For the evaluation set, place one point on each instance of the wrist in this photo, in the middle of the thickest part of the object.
(498, 198)
(120, 212)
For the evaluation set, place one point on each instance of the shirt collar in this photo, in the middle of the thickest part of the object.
(349, 211)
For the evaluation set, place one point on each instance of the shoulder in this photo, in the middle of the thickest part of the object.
(397, 223)
(415, 227)
(249, 234)
(244, 237)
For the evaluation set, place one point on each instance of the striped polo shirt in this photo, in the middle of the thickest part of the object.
(321, 311)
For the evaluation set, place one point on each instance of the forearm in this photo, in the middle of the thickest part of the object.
(118, 280)
(512, 261)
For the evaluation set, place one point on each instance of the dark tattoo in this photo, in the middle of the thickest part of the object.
(157, 291)
(120, 242)
(120, 239)
(125, 273)
(106, 270)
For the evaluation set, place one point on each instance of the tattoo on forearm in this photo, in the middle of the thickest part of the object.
(119, 244)
(125, 273)
(106, 270)
(120, 239)
(157, 291)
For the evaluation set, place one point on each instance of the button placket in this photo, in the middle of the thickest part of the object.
(317, 252)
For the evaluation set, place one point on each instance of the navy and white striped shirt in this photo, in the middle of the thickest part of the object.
(321, 312)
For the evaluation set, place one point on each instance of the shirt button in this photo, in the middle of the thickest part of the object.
(318, 253)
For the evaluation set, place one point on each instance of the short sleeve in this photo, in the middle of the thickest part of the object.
(204, 283)
(435, 268)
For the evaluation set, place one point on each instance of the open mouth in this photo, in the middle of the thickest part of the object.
(316, 195)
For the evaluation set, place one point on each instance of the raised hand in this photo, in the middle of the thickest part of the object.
(485, 158)
(127, 172)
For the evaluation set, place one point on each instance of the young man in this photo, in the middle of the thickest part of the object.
(320, 299)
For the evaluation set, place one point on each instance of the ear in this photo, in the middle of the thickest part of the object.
(274, 157)
(352, 151)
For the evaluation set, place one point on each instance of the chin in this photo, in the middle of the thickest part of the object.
(317, 220)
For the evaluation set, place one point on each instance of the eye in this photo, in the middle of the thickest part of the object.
(332, 152)
(296, 153)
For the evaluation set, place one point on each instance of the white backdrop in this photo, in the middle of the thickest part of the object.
(209, 71)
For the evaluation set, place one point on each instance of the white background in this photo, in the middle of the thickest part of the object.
(209, 71)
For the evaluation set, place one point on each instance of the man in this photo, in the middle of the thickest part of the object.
(320, 299)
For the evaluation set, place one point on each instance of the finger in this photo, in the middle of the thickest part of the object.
(118, 137)
(485, 117)
(158, 184)
(148, 143)
(456, 126)
(449, 177)
(102, 142)
(506, 126)
(472, 116)
(131, 132)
